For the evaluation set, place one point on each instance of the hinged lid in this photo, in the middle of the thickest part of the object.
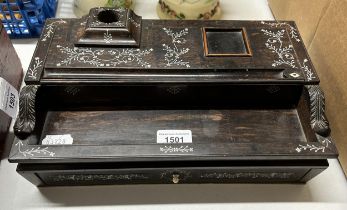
(114, 46)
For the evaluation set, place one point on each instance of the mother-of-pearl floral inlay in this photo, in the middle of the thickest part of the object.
(285, 53)
(174, 52)
(181, 149)
(50, 29)
(325, 142)
(292, 31)
(104, 57)
(33, 151)
(32, 70)
(107, 37)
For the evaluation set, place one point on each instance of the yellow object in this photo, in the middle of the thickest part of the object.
(189, 9)
(8, 17)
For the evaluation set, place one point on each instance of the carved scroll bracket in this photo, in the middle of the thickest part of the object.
(318, 120)
(25, 122)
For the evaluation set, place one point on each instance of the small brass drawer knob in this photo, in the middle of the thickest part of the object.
(175, 178)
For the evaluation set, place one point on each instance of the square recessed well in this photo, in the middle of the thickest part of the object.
(226, 42)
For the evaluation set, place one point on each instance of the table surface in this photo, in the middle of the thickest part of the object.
(326, 191)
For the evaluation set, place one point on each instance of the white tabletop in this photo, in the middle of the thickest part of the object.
(326, 191)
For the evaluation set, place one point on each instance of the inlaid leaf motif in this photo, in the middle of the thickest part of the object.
(292, 31)
(96, 177)
(249, 175)
(324, 144)
(308, 71)
(182, 149)
(285, 54)
(174, 53)
(103, 57)
(33, 151)
(312, 147)
(32, 70)
(50, 29)
(134, 22)
(107, 37)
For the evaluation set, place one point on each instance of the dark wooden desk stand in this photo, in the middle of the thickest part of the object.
(246, 90)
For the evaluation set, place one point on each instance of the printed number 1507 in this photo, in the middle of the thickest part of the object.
(12, 101)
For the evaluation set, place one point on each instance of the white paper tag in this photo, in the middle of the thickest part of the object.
(174, 136)
(8, 98)
(57, 139)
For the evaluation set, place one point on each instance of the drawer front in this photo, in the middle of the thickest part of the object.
(170, 176)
